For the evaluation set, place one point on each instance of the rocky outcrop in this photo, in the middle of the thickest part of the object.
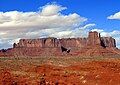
(93, 45)
(51, 42)
(94, 39)
(108, 42)
(28, 43)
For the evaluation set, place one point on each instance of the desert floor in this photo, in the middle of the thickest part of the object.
(60, 70)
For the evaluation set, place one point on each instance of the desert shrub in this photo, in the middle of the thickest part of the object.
(42, 81)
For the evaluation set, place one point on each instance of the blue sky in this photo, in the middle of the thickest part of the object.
(95, 10)
(97, 13)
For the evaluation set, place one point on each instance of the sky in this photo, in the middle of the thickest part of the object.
(57, 18)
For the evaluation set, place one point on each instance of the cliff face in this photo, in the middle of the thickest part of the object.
(93, 39)
(51, 43)
(94, 44)
(28, 43)
(108, 42)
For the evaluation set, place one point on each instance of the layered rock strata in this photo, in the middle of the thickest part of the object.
(94, 44)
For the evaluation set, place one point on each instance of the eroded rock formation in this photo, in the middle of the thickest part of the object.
(93, 39)
(94, 44)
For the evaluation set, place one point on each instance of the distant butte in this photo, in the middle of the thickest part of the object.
(94, 45)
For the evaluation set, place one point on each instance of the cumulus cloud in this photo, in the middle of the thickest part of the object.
(80, 31)
(47, 22)
(88, 26)
(115, 34)
(114, 16)
(51, 10)
(98, 30)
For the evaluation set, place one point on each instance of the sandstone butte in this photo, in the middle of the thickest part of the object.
(93, 45)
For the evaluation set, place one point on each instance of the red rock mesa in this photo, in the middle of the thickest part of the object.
(91, 46)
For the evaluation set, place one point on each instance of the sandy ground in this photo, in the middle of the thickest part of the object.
(60, 71)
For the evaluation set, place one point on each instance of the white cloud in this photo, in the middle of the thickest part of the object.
(114, 16)
(47, 22)
(52, 10)
(98, 30)
(62, 34)
(80, 31)
(115, 34)
(88, 26)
